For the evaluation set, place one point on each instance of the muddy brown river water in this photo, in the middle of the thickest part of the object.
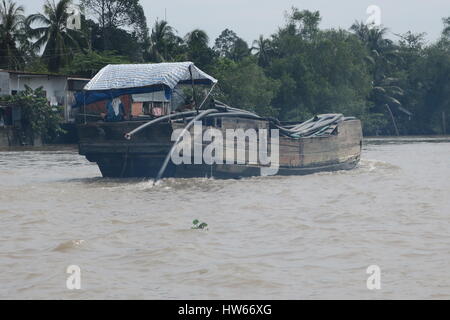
(304, 237)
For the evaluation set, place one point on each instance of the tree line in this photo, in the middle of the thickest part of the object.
(397, 86)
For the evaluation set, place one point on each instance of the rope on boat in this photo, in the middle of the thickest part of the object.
(186, 128)
(206, 97)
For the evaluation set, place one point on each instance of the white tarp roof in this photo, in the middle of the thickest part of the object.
(124, 76)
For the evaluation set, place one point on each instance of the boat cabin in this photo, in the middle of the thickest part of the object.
(144, 91)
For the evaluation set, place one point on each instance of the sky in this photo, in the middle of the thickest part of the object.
(251, 18)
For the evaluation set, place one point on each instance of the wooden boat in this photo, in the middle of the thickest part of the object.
(141, 146)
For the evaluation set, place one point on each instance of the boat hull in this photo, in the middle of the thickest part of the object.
(144, 155)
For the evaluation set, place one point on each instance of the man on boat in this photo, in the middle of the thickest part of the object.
(115, 111)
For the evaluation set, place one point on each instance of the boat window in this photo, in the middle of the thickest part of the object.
(155, 108)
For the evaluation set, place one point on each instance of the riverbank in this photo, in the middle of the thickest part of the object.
(11, 136)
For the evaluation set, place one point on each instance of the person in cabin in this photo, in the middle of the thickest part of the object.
(115, 111)
(157, 109)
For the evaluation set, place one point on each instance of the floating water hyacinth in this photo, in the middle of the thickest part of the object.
(199, 225)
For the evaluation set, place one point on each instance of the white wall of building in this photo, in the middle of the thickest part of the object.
(4, 83)
(55, 88)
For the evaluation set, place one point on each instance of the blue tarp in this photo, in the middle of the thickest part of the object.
(87, 97)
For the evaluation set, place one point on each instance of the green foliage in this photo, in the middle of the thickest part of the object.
(165, 45)
(428, 89)
(52, 34)
(263, 50)
(374, 124)
(37, 114)
(113, 16)
(196, 224)
(88, 64)
(197, 49)
(305, 23)
(116, 13)
(229, 45)
(319, 71)
(225, 42)
(36, 64)
(244, 85)
(12, 31)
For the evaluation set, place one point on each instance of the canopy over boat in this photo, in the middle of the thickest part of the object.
(116, 80)
(124, 76)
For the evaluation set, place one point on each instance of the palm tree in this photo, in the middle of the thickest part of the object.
(263, 49)
(382, 54)
(163, 42)
(60, 42)
(197, 38)
(372, 36)
(11, 33)
(384, 93)
(198, 50)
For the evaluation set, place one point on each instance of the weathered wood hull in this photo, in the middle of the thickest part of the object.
(143, 156)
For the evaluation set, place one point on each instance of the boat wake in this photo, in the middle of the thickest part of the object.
(370, 165)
